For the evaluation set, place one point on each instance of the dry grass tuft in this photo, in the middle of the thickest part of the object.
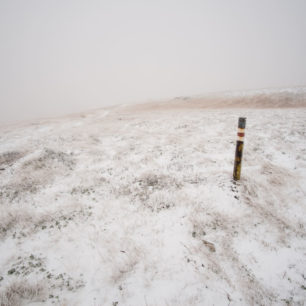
(19, 291)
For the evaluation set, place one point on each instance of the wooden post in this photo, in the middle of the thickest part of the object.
(239, 148)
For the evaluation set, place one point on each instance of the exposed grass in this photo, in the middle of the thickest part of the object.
(18, 292)
(34, 173)
(9, 158)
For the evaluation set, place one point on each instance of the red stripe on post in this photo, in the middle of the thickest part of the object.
(240, 134)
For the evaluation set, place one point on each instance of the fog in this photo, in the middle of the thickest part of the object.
(61, 57)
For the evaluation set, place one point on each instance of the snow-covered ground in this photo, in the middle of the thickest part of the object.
(119, 207)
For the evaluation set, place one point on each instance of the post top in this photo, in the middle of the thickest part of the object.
(241, 122)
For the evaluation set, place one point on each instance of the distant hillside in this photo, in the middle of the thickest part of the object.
(268, 98)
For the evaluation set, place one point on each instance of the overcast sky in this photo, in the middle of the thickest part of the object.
(64, 56)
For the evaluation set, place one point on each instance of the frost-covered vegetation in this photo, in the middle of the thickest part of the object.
(121, 207)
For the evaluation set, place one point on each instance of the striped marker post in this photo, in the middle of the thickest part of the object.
(239, 148)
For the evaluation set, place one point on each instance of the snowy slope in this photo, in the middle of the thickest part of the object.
(122, 207)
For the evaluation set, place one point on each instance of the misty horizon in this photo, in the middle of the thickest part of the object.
(67, 57)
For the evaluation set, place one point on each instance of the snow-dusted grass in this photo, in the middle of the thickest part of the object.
(19, 291)
(139, 208)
